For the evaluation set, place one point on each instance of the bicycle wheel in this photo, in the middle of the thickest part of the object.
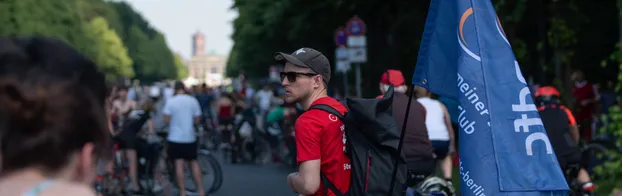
(210, 171)
(597, 155)
(262, 149)
(206, 160)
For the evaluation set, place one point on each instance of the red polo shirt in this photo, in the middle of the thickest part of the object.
(320, 135)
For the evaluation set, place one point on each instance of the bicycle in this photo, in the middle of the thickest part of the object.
(250, 146)
(205, 158)
(595, 153)
(213, 138)
(576, 188)
(114, 183)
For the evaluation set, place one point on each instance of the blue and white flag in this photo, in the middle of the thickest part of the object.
(504, 149)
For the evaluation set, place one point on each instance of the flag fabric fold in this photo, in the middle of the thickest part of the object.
(504, 149)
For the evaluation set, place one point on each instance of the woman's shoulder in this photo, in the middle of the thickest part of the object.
(68, 189)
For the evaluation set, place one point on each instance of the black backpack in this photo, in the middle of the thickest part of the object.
(372, 144)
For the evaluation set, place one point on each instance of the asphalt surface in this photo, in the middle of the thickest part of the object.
(253, 179)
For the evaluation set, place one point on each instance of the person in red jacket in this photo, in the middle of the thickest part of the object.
(587, 97)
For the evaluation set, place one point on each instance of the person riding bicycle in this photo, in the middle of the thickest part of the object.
(127, 138)
(273, 126)
(563, 132)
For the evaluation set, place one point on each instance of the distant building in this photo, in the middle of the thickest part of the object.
(198, 44)
(205, 68)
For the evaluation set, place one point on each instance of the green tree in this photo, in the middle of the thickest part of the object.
(152, 57)
(107, 50)
(182, 68)
(57, 19)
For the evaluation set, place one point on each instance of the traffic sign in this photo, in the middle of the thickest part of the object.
(357, 41)
(355, 26)
(343, 66)
(357, 55)
(341, 38)
(341, 53)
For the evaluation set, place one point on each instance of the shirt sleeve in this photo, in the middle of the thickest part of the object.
(196, 109)
(167, 109)
(570, 116)
(307, 132)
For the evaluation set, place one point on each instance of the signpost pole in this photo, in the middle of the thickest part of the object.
(358, 80)
(346, 90)
(357, 48)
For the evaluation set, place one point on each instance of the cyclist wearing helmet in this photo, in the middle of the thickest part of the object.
(563, 132)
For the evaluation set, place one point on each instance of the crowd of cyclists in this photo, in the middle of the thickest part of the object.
(233, 122)
(59, 119)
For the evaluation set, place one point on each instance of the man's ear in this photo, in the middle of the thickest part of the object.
(318, 81)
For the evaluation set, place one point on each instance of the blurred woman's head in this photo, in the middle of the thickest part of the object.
(52, 116)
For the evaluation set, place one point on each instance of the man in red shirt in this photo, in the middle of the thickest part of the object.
(320, 137)
(587, 97)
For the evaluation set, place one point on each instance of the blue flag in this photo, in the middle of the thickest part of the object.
(504, 149)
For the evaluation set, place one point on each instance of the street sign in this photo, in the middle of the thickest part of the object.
(355, 26)
(343, 66)
(341, 53)
(341, 37)
(357, 41)
(357, 55)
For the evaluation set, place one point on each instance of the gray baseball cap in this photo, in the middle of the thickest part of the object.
(307, 57)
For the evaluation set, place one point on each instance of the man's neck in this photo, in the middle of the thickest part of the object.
(314, 96)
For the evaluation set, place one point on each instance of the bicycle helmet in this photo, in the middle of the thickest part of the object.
(434, 186)
(547, 95)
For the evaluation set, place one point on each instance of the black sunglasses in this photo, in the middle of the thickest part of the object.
(291, 76)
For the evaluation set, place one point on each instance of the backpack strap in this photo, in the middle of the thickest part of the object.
(329, 185)
(328, 109)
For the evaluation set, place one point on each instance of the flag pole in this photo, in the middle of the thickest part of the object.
(401, 144)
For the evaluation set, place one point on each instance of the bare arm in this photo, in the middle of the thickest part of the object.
(307, 180)
(450, 129)
(150, 127)
(197, 120)
(574, 132)
(574, 129)
(167, 119)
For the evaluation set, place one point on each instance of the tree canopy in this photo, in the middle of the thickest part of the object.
(112, 34)
(547, 36)
(108, 51)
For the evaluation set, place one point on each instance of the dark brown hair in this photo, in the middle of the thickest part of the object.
(52, 103)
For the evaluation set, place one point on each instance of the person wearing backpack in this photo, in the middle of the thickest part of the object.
(320, 138)
(417, 145)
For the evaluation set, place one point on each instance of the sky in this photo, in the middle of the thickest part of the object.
(178, 20)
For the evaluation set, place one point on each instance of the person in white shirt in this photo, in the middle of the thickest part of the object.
(250, 92)
(440, 131)
(264, 99)
(182, 112)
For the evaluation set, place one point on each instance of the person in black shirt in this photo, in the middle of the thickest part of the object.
(563, 132)
(417, 145)
(133, 124)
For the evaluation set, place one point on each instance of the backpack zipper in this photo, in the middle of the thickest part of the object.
(367, 170)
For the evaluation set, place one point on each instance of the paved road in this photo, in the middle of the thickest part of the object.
(248, 179)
